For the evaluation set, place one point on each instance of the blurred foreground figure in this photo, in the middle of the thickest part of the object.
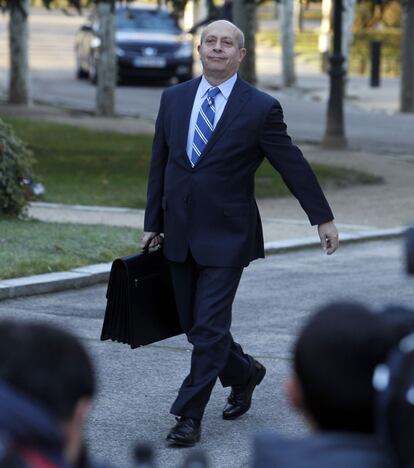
(46, 387)
(334, 361)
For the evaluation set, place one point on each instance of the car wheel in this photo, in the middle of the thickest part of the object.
(80, 72)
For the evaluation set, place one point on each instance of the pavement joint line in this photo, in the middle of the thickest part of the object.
(124, 210)
(99, 209)
(90, 275)
(272, 248)
(301, 222)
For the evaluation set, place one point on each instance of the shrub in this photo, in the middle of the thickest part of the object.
(15, 165)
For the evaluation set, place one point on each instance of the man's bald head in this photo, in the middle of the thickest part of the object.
(224, 24)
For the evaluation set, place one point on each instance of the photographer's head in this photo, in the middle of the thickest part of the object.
(50, 369)
(334, 360)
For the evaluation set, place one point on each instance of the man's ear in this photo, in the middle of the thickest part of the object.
(83, 407)
(242, 53)
(73, 429)
(294, 393)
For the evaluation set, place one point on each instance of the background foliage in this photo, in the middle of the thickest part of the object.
(15, 164)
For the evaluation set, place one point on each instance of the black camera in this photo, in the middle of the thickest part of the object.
(409, 242)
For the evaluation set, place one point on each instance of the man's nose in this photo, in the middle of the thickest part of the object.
(217, 46)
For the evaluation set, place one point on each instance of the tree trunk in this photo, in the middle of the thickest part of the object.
(244, 16)
(348, 16)
(106, 69)
(324, 35)
(287, 43)
(298, 9)
(19, 55)
(407, 58)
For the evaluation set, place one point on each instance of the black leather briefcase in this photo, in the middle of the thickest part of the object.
(140, 305)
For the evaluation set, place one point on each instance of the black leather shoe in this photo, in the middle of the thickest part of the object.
(185, 433)
(240, 398)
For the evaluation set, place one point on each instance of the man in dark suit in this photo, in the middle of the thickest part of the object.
(211, 135)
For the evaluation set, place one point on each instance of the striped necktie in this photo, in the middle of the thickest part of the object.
(204, 125)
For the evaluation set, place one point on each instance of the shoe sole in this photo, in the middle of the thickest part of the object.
(259, 381)
(181, 443)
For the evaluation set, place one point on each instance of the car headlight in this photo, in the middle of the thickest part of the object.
(185, 50)
(95, 42)
(119, 52)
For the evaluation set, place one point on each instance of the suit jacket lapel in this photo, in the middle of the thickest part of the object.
(186, 106)
(238, 97)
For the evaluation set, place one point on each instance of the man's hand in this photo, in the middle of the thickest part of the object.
(151, 239)
(329, 237)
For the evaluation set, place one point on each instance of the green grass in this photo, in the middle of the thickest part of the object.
(85, 166)
(80, 166)
(30, 247)
(269, 183)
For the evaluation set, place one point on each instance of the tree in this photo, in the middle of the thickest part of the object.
(348, 15)
(19, 75)
(407, 58)
(178, 7)
(18, 40)
(298, 9)
(287, 37)
(18, 92)
(325, 31)
(106, 69)
(244, 17)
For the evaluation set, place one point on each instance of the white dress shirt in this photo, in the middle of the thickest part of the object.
(220, 102)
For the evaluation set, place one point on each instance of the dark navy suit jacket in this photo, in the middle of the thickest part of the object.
(211, 209)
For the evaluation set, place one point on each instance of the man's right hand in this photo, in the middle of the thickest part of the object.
(151, 239)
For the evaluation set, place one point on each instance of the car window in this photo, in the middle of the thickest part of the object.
(145, 20)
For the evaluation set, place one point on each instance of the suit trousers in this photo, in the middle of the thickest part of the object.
(204, 297)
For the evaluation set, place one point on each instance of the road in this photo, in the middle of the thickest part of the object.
(52, 64)
(275, 297)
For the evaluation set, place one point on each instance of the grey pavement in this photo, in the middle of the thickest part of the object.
(276, 295)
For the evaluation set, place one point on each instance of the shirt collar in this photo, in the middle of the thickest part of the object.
(225, 87)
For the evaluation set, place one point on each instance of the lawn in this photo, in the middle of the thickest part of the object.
(87, 167)
(81, 166)
(30, 247)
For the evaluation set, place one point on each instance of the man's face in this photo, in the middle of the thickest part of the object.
(219, 50)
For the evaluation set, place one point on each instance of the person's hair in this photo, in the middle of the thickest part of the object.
(239, 33)
(47, 364)
(334, 359)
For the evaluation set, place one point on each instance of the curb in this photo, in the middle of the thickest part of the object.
(272, 248)
(53, 282)
(99, 273)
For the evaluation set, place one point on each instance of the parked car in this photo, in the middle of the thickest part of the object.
(149, 44)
